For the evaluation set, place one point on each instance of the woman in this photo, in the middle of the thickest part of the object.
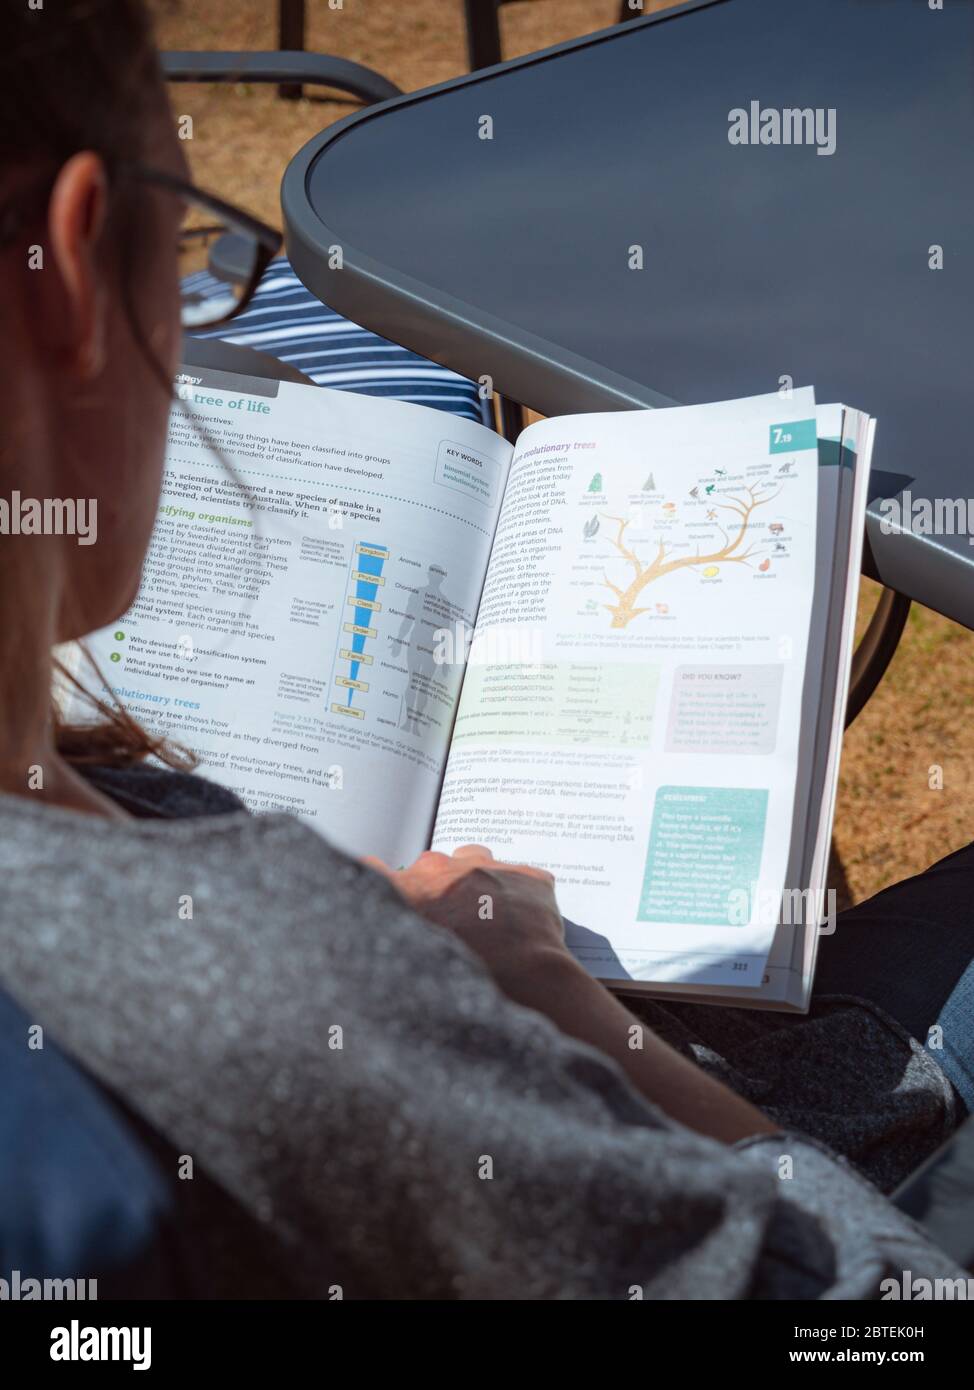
(391, 1096)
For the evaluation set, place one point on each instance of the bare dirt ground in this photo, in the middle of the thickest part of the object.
(891, 821)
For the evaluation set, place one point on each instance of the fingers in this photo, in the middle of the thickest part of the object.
(464, 856)
(378, 865)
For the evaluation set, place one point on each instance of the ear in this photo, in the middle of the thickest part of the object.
(76, 216)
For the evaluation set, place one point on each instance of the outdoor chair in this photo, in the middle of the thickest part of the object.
(287, 322)
(484, 33)
(284, 319)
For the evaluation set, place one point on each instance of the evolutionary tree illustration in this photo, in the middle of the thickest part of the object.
(741, 507)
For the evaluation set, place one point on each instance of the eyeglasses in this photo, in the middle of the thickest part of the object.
(223, 251)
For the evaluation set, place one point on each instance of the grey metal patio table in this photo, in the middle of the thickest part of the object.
(511, 256)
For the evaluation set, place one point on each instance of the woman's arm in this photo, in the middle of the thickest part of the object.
(555, 984)
(507, 914)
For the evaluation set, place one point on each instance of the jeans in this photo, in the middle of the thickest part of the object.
(910, 950)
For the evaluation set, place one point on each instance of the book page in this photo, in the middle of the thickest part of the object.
(630, 713)
(851, 433)
(843, 474)
(291, 612)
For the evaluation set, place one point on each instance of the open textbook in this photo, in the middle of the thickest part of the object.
(618, 650)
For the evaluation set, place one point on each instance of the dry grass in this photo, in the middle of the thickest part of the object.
(244, 135)
(890, 822)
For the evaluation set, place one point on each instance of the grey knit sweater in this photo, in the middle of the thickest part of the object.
(385, 1121)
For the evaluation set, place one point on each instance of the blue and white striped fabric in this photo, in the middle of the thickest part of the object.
(285, 320)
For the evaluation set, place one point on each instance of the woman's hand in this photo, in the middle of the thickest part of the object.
(508, 915)
(505, 913)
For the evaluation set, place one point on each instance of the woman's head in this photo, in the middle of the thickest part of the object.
(89, 319)
(89, 310)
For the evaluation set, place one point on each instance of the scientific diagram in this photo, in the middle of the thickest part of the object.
(733, 550)
(363, 597)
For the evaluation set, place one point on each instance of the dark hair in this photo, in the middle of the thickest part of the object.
(74, 75)
(84, 75)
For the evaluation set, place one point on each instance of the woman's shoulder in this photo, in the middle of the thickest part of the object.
(148, 791)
